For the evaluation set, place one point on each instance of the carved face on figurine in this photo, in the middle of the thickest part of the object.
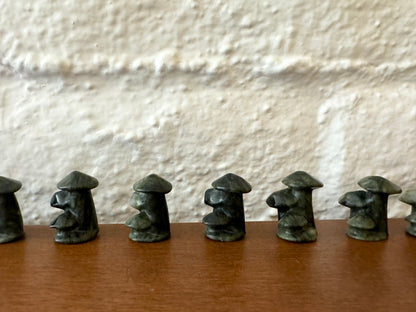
(226, 222)
(11, 223)
(78, 223)
(152, 223)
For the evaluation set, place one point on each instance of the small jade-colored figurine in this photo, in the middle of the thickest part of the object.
(368, 216)
(295, 212)
(409, 197)
(78, 223)
(11, 223)
(226, 223)
(152, 223)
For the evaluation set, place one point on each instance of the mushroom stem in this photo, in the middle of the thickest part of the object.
(234, 206)
(378, 210)
(158, 210)
(304, 197)
(11, 222)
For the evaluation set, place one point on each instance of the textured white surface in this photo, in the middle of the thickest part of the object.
(192, 90)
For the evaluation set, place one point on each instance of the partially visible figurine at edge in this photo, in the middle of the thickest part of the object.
(368, 216)
(295, 212)
(11, 223)
(152, 223)
(409, 197)
(78, 223)
(226, 223)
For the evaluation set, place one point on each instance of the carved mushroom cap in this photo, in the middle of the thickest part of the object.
(152, 184)
(8, 185)
(376, 184)
(282, 199)
(301, 180)
(408, 197)
(76, 181)
(232, 183)
(216, 218)
(411, 218)
(362, 222)
(356, 199)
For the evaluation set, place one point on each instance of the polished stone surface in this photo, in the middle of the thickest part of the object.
(78, 223)
(368, 215)
(11, 222)
(226, 223)
(152, 223)
(295, 212)
(409, 197)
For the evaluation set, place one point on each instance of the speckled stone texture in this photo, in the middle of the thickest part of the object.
(192, 90)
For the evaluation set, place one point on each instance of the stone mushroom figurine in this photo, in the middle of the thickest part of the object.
(78, 223)
(295, 212)
(226, 223)
(409, 197)
(152, 223)
(11, 223)
(368, 216)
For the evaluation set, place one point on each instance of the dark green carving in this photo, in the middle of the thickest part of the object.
(78, 223)
(295, 212)
(368, 215)
(409, 197)
(11, 223)
(226, 223)
(152, 223)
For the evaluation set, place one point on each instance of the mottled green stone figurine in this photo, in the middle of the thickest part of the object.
(11, 223)
(409, 197)
(368, 215)
(295, 212)
(226, 223)
(78, 223)
(152, 223)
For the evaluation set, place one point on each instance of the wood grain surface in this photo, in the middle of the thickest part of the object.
(192, 273)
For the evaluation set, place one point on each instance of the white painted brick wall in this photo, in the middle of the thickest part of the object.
(192, 90)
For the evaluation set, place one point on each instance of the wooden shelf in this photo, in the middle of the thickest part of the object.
(191, 273)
